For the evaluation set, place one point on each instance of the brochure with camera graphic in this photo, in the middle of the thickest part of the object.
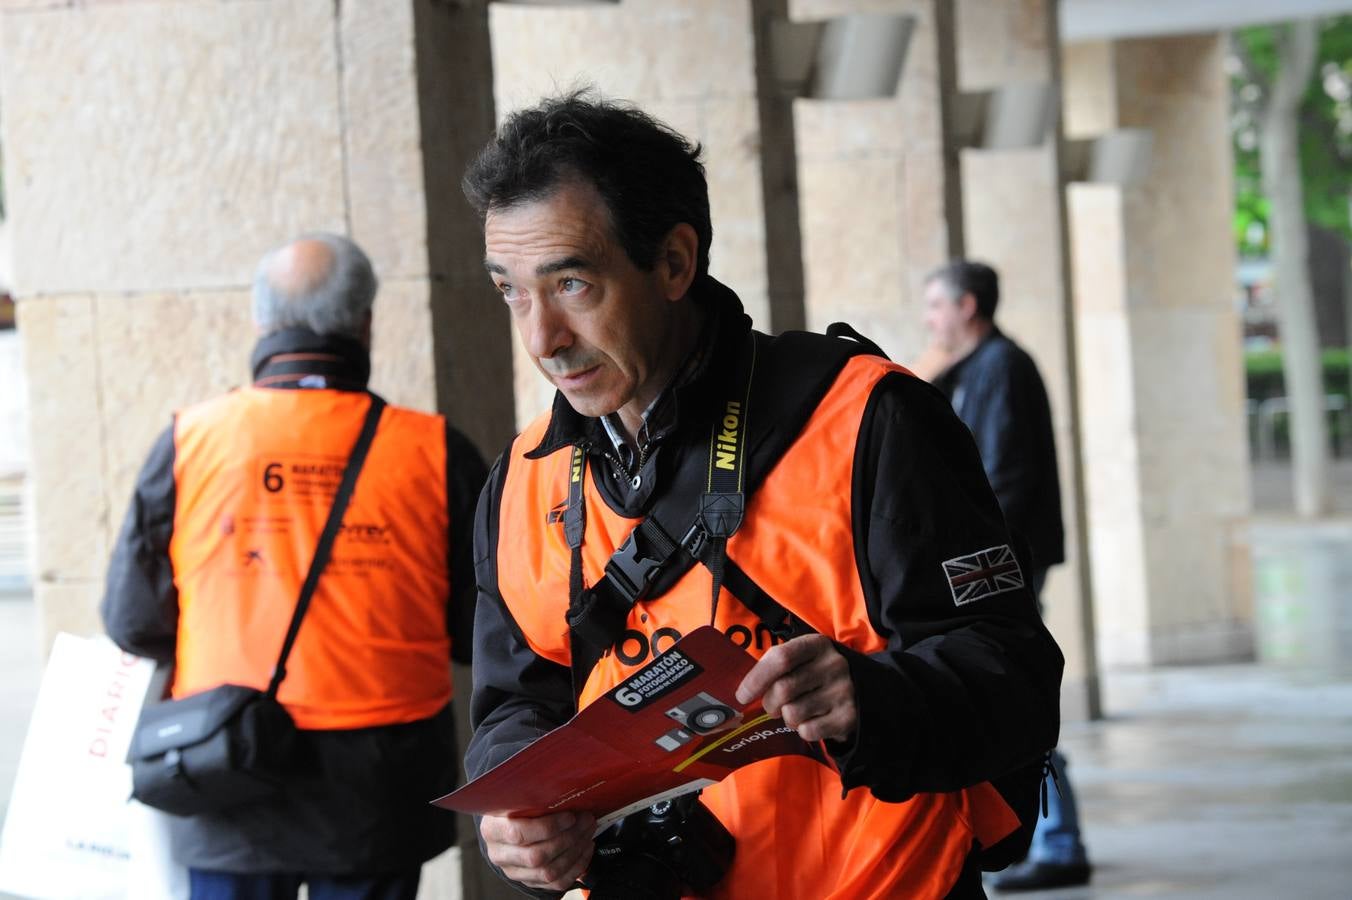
(672, 727)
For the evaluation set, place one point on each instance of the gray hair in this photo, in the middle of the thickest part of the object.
(334, 302)
(965, 276)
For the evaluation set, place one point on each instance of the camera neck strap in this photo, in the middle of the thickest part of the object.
(324, 548)
(597, 614)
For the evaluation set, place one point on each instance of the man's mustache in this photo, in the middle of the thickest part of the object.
(569, 362)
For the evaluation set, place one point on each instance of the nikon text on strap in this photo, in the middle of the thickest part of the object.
(723, 505)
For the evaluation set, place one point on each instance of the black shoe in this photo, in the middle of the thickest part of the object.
(1036, 876)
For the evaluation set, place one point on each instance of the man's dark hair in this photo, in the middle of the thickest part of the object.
(649, 176)
(962, 276)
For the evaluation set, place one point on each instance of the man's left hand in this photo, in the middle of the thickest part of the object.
(806, 682)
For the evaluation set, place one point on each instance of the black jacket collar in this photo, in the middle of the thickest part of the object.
(946, 379)
(300, 358)
(692, 396)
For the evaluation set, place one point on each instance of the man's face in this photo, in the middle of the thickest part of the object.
(944, 318)
(593, 322)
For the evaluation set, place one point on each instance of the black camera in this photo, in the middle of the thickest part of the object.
(671, 848)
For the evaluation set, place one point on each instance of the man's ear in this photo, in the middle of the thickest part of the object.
(967, 306)
(677, 260)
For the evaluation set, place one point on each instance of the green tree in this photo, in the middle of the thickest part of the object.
(1325, 118)
(1276, 98)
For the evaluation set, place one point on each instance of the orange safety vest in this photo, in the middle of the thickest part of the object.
(255, 472)
(796, 837)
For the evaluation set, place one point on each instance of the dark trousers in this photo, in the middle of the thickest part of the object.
(236, 886)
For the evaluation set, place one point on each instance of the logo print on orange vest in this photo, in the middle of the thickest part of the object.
(364, 532)
(634, 647)
(725, 444)
(555, 515)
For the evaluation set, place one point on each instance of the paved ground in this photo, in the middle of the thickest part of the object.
(1218, 783)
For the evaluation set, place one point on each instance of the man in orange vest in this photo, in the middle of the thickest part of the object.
(909, 655)
(207, 572)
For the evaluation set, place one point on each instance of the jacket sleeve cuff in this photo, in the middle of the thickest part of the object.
(877, 755)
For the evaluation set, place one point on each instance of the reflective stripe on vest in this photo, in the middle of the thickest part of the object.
(795, 836)
(255, 471)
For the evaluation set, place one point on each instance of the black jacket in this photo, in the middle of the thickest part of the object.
(997, 391)
(361, 802)
(962, 694)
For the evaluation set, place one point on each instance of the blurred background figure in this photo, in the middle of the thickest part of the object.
(996, 390)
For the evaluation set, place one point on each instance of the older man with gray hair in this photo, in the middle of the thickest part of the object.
(210, 562)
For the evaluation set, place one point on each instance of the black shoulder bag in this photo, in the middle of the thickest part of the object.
(231, 745)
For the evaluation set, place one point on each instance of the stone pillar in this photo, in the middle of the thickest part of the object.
(1163, 391)
(1015, 220)
(693, 65)
(153, 152)
(881, 199)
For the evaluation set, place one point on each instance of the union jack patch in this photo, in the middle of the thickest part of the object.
(983, 574)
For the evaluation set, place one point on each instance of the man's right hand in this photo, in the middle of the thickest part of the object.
(548, 852)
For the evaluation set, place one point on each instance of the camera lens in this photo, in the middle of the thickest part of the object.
(711, 717)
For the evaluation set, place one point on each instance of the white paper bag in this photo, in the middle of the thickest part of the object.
(68, 832)
(152, 874)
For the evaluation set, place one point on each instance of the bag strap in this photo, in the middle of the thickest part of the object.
(328, 536)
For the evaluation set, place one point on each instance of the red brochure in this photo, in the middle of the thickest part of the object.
(672, 727)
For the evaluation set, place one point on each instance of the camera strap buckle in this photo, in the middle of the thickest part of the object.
(639, 560)
(598, 614)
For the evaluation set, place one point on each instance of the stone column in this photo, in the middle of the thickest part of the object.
(153, 151)
(1163, 397)
(1015, 220)
(693, 65)
(881, 198)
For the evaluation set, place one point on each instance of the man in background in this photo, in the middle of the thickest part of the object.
(996, 390)
(208, 568)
